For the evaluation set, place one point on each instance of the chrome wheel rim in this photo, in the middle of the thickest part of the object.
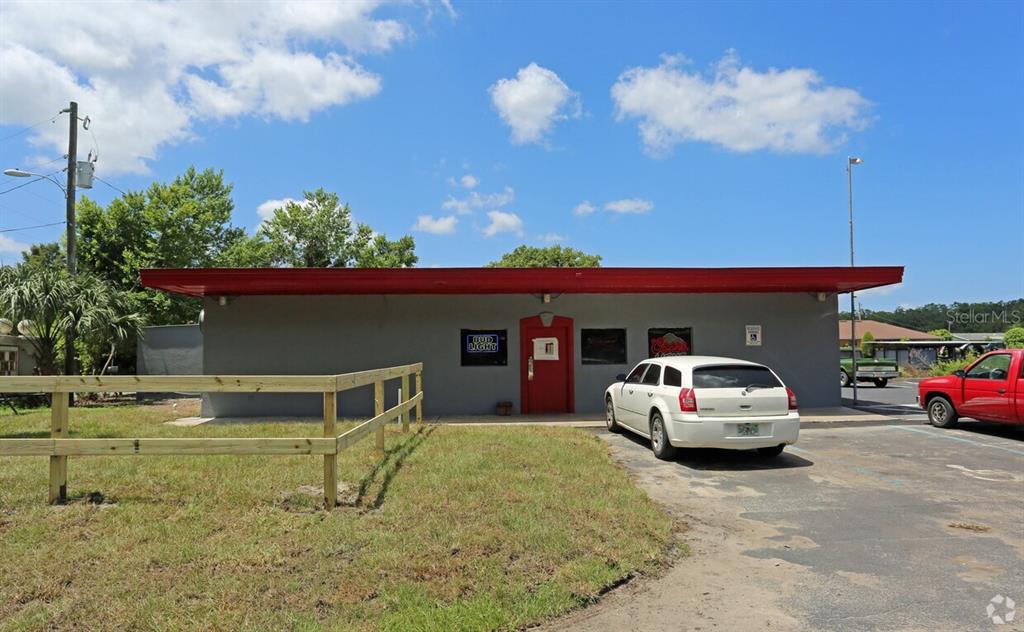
(938, 412)
(656, 435)
(842, 379)
(609, 414)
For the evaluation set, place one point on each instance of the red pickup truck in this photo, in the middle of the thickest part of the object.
(991, 389)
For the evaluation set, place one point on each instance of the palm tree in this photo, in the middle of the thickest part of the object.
(47, 302)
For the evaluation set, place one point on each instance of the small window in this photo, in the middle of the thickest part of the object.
(996, 367)
(734, 376)
(603, 346)
(637, 374)
(484, 347)
(653, 375)
(8, 361)
(674, 341)
(673, 377)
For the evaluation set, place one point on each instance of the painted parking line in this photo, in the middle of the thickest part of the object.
(895, 482)
(950, 437)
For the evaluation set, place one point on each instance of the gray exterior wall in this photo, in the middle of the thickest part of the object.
(296, 335)
(169, 350)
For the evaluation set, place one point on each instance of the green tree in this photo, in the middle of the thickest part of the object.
(318, 233)
(943, 334)
(183, 224)
(1014, 338)
(52, 301)
(867, 349)
(44, 256)
(550, 257)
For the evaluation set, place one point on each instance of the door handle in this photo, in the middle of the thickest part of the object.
(529, 369)
(650, 394)
(630, 391)
(1002, 391)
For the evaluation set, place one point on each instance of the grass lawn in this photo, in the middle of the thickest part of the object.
(456, 529)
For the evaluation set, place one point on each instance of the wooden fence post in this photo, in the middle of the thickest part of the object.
(58, 464)
(419, 404)
(330, 460)
(406, 396)
(378, 408)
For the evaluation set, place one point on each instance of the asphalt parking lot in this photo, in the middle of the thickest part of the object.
(901, 527)
(895, 400)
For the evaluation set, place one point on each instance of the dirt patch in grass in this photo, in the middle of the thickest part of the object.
(456, 528)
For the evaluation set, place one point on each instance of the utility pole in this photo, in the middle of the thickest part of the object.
(853, 310)
(69, 335)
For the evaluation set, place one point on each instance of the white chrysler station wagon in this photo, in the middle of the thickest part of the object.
(704, 402)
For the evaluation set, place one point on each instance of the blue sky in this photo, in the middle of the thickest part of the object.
(542, 104)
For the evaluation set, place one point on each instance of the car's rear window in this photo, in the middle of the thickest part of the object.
(733, 376)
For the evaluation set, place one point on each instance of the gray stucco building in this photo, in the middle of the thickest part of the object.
(546, 340)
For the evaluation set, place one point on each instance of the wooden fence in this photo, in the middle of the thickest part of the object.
(59, 446)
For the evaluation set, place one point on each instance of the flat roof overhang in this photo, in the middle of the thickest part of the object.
(329, 281)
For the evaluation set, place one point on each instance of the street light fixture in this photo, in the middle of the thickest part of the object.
(850, 162)
(21, 173)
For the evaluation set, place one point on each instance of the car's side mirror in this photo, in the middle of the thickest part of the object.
(959, 373)
(997, 374)
(621, 377)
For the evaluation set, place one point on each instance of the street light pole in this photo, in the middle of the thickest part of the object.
(69, 335)
(853, 313)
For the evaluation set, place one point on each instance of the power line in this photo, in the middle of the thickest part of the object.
(14, 230)
(32, 126)
(118, 189)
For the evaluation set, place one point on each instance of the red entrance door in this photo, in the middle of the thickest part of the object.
(546, 368)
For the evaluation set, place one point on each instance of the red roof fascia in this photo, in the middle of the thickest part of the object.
(292, 281)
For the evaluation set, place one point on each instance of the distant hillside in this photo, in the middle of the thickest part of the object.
(958, 317)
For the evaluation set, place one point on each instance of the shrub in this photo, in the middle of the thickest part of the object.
(866, 348)
(947, 367)
(1014, 338)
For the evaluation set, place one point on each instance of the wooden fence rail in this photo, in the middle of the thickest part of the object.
(58, 447)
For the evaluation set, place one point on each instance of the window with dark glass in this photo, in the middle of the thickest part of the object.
(484, 347)
(603, 346)
(636, 374)
(669, 341)
(673, 377)
(653, 375)
(734, 376)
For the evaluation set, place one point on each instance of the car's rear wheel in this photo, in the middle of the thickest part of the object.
(844, 379)
(609, 416)
(659, 439)
(774, 450)
(941, 413)
(881, 382)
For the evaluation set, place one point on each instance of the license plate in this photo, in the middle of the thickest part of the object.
(748, 430)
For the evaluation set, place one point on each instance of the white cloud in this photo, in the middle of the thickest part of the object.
(551, 238)
(629, 205)
(502, 222)
(436, 225)
(9, 246)
(583, 208)
(145, 72)
(466, 205)
(737, 107)
(266, 209)
(532, 102)
(469, 181)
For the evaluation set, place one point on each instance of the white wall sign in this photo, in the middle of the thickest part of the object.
(753, 335)
(545, 348)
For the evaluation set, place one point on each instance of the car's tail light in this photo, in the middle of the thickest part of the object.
(687, 400)
(792, 398)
